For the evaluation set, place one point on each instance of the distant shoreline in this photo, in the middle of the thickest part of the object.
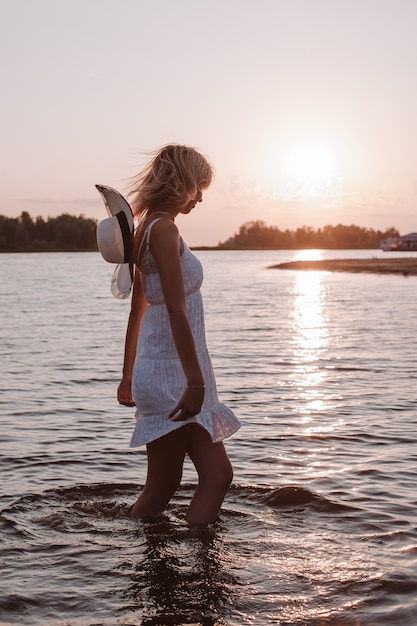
(403, 266)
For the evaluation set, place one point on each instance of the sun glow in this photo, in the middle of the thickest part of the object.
(310, 168)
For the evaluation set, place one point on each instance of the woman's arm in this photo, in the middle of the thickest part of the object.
(138, 306)
(165, 247)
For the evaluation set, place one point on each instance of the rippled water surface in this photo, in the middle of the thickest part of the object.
(320, 526)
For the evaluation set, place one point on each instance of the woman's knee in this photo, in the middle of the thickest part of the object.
(219, 478)
(211, 461)
(229, 475)
(226, 475)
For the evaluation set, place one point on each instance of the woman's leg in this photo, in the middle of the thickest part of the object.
(165, 462)
(215, 474)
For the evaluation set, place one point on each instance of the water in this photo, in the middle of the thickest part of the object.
(320, 526)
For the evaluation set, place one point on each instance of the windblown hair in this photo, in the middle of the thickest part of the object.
(172, 178)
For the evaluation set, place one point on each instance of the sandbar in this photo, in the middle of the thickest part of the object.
(403, 266)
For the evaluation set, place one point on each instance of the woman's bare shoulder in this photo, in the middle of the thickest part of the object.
(162, 229)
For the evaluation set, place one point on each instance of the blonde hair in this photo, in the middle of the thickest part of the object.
(172, 178)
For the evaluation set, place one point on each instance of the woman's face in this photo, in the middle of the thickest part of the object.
(191, 204)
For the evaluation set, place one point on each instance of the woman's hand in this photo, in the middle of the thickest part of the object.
(189, 405)
(124, 393)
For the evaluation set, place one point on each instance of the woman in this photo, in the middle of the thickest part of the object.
(167, 371)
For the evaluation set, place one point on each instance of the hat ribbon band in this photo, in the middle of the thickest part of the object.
(127, 236)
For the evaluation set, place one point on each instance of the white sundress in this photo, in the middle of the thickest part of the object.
(158, 380)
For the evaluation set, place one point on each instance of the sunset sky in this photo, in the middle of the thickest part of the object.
(306, 108)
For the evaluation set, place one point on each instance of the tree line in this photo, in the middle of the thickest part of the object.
(70, 233)
(258, 236)
(66, 233)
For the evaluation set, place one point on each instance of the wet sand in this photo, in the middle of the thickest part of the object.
(403, 266)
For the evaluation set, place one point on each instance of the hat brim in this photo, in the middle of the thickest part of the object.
(115, 202)
(122, 279)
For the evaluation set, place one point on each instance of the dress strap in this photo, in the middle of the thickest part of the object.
(146, 236)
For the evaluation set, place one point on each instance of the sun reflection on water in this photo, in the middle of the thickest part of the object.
(310, 333)
(309, 326)
(315, 400)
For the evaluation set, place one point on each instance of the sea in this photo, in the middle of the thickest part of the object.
(319, 527)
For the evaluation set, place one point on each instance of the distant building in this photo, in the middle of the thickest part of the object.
(400, 244)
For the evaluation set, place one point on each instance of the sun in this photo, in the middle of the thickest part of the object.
(310, 168)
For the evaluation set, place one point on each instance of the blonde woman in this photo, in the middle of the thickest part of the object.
(167, 370)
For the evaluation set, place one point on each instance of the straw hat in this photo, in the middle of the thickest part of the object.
(115, 240)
